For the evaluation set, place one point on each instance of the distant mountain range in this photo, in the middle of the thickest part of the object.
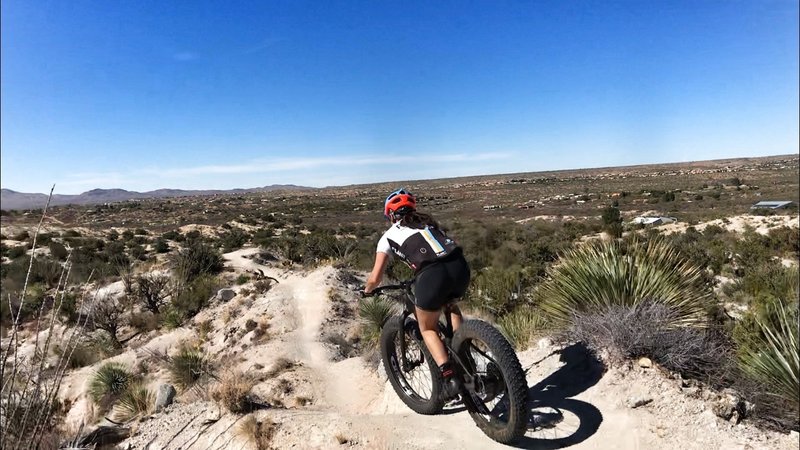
(19, 200)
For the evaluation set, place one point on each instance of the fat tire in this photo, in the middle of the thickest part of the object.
(513, 375)
(390, 362)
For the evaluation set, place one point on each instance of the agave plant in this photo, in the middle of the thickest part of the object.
(134, 402)
(520, 326)
(773, 356)
(598, 275)
(374, 312)
(110, 379)
(188, 367)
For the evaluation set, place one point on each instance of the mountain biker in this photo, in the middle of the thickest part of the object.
(441, 273)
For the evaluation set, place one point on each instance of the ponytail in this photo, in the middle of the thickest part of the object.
(416, 219)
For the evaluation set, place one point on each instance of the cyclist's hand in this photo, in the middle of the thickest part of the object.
(362, 290)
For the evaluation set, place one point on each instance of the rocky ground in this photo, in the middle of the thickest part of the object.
(318, 396)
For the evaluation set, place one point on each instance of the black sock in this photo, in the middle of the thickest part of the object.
(447, 370)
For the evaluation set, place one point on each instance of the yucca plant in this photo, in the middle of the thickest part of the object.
(772, 357)
(374, 312)
(188, 367)
(521, 326)
(599, 275)
(135, 401)
(110, 379)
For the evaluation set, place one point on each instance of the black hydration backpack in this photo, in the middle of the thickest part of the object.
(425, 246)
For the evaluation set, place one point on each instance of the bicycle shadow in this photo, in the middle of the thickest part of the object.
(581, 370)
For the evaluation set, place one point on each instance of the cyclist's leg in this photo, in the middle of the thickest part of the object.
(429, 326)
(455, 316)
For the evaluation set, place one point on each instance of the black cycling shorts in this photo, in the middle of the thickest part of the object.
(441, 282)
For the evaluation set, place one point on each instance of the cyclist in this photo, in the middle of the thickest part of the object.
(440, 271)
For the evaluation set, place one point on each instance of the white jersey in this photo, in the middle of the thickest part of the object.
(415, 246)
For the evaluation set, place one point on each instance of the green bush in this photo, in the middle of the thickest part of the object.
(598, 275)
(194, 296)
(196, 260)
(233, 240)
(135, 401)
(521, 326)
(373, 312)
(110, 380)
(58, 251)
(771, 356)
(188, 367)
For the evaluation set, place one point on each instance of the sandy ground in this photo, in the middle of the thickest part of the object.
(738, 224)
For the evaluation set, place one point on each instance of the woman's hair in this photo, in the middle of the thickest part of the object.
(416, 219)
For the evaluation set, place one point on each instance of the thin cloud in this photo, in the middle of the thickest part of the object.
(264, 45)
(281, 165)
(185, 56)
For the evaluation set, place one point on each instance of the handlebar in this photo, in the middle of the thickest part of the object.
(403, 285)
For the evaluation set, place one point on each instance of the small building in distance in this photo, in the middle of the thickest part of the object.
(781, 204)
(642, 220)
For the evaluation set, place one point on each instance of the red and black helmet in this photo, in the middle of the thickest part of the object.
(399, 203)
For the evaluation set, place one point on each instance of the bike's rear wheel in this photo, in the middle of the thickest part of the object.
(498, 393)
(415, 378)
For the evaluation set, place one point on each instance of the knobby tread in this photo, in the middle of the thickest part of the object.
(513, 374)
(427, 407)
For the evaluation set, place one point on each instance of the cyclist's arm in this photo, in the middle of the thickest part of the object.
(374, 280)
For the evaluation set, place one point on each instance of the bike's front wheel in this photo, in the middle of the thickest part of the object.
(411, 369)
(496, 386)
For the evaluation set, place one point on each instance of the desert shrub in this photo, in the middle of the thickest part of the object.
(171, 317)
(110, 380)
(232, 392)
(498, 290)
(17, 251)
(521, 326)
(258, 433)
(151, 290)
(58, 251)
(139, 252)
(144, 321)
(598, 275)
(263, 237)
(188, 367)
(373, 312)
(161, 246)
(140, 232)
(771, 358)
(81, 355)
(135, 401)
(233, 239)
(173, 235)
(612, 221)
(108, 315)
(196, 260)
(191, 298)
(21, 236)
(262, 286)
(242, 279)
(651, 329)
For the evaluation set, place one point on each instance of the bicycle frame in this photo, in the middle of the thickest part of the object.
(445, 330)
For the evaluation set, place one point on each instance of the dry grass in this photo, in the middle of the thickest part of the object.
(280, 366)
(257, 432)
(232, 392)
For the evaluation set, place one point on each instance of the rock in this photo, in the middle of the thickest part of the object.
(225, 294)
(212, 415)
(164, 396)
(730, 406)
(645, 362)
(693, 392)
(635, 402)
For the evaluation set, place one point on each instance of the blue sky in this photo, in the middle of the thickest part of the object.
(144, 95)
